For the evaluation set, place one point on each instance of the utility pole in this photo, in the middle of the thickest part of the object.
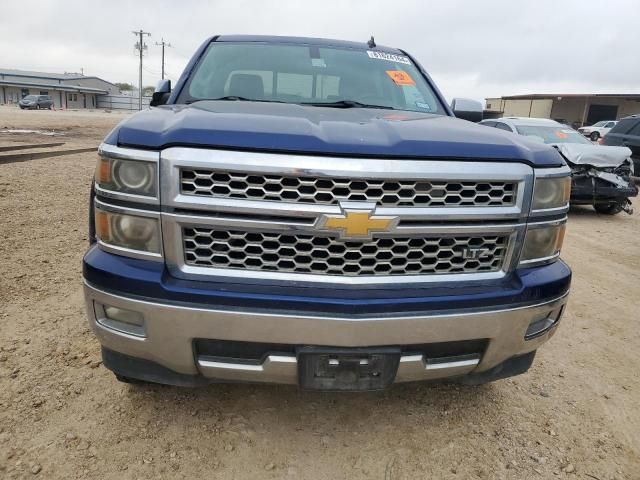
(164, 44)
(141, 47)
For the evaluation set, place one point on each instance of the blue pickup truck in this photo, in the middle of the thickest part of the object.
(308, 211)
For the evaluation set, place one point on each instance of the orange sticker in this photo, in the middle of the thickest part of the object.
(560, 134)
(400, 78)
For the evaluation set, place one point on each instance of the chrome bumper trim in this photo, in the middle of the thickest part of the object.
(284, 369)
(438, 365)
(275, 368)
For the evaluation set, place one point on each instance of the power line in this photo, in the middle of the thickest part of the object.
(150, 70)
(141, 47)
(164, 44)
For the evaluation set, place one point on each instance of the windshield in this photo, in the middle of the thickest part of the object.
(551, 134)
(304, 74)
(30, 97)
(599, 124)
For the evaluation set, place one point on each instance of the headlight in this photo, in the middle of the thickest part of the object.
(551, 192)
(132, 232)
(127, 176)
(542, 244)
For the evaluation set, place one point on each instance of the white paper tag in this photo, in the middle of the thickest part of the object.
(389, 57)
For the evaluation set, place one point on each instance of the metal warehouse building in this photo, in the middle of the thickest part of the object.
(573, 109)
(68, 90)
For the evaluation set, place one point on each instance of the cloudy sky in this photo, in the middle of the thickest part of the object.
(472, 48)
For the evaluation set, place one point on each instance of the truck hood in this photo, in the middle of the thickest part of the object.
(600, 156)
(294, 128)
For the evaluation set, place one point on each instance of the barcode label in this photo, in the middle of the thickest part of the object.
(390, 57)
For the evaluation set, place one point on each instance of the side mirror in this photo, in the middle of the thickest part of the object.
(161, 94)
(467, 109)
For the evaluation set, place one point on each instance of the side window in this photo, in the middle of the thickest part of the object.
(636, 129)
(610, 125)
(624, 125)
(503, 126)
(488, 123)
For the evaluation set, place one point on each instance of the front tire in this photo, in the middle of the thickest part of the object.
(37, 107)
(608, 208)
(594, 136)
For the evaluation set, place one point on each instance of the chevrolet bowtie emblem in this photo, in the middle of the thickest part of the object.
(356, 222)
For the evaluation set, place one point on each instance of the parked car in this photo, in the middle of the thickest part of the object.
(600, 176)
(597, 130)
(312, 212)
(36, 102)
(627, 134)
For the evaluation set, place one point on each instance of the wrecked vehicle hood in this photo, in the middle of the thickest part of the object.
(599, 156)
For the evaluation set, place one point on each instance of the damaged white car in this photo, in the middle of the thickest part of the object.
(600, 175)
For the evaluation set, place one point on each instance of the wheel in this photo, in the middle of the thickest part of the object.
(37, 107)
(594, 136)
(50, 107)
(608, 208)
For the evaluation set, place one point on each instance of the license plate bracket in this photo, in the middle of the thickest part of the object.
(336, 369)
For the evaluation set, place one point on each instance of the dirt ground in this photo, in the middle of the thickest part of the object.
(575, 414)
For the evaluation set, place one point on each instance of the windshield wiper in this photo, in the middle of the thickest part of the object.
(232, 98)
(346, 104)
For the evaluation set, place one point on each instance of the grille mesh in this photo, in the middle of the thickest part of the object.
(311, 254)
(329, 191)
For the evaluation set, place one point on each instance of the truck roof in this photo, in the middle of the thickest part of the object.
(326, 42)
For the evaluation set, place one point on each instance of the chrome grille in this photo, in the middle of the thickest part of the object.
(313, 254)
(330, 191)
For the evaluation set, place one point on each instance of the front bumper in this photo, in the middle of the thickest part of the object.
(171, 330)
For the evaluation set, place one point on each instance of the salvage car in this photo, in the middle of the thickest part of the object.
(598, 129)
(312, 212)
(600, 175)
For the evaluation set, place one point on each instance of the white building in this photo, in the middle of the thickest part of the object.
(68, 90)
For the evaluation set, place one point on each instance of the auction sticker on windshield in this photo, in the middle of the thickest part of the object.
(389, 57)
(400, 78)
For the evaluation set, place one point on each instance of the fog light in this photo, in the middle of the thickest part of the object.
(122, 315)
(122, 320)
